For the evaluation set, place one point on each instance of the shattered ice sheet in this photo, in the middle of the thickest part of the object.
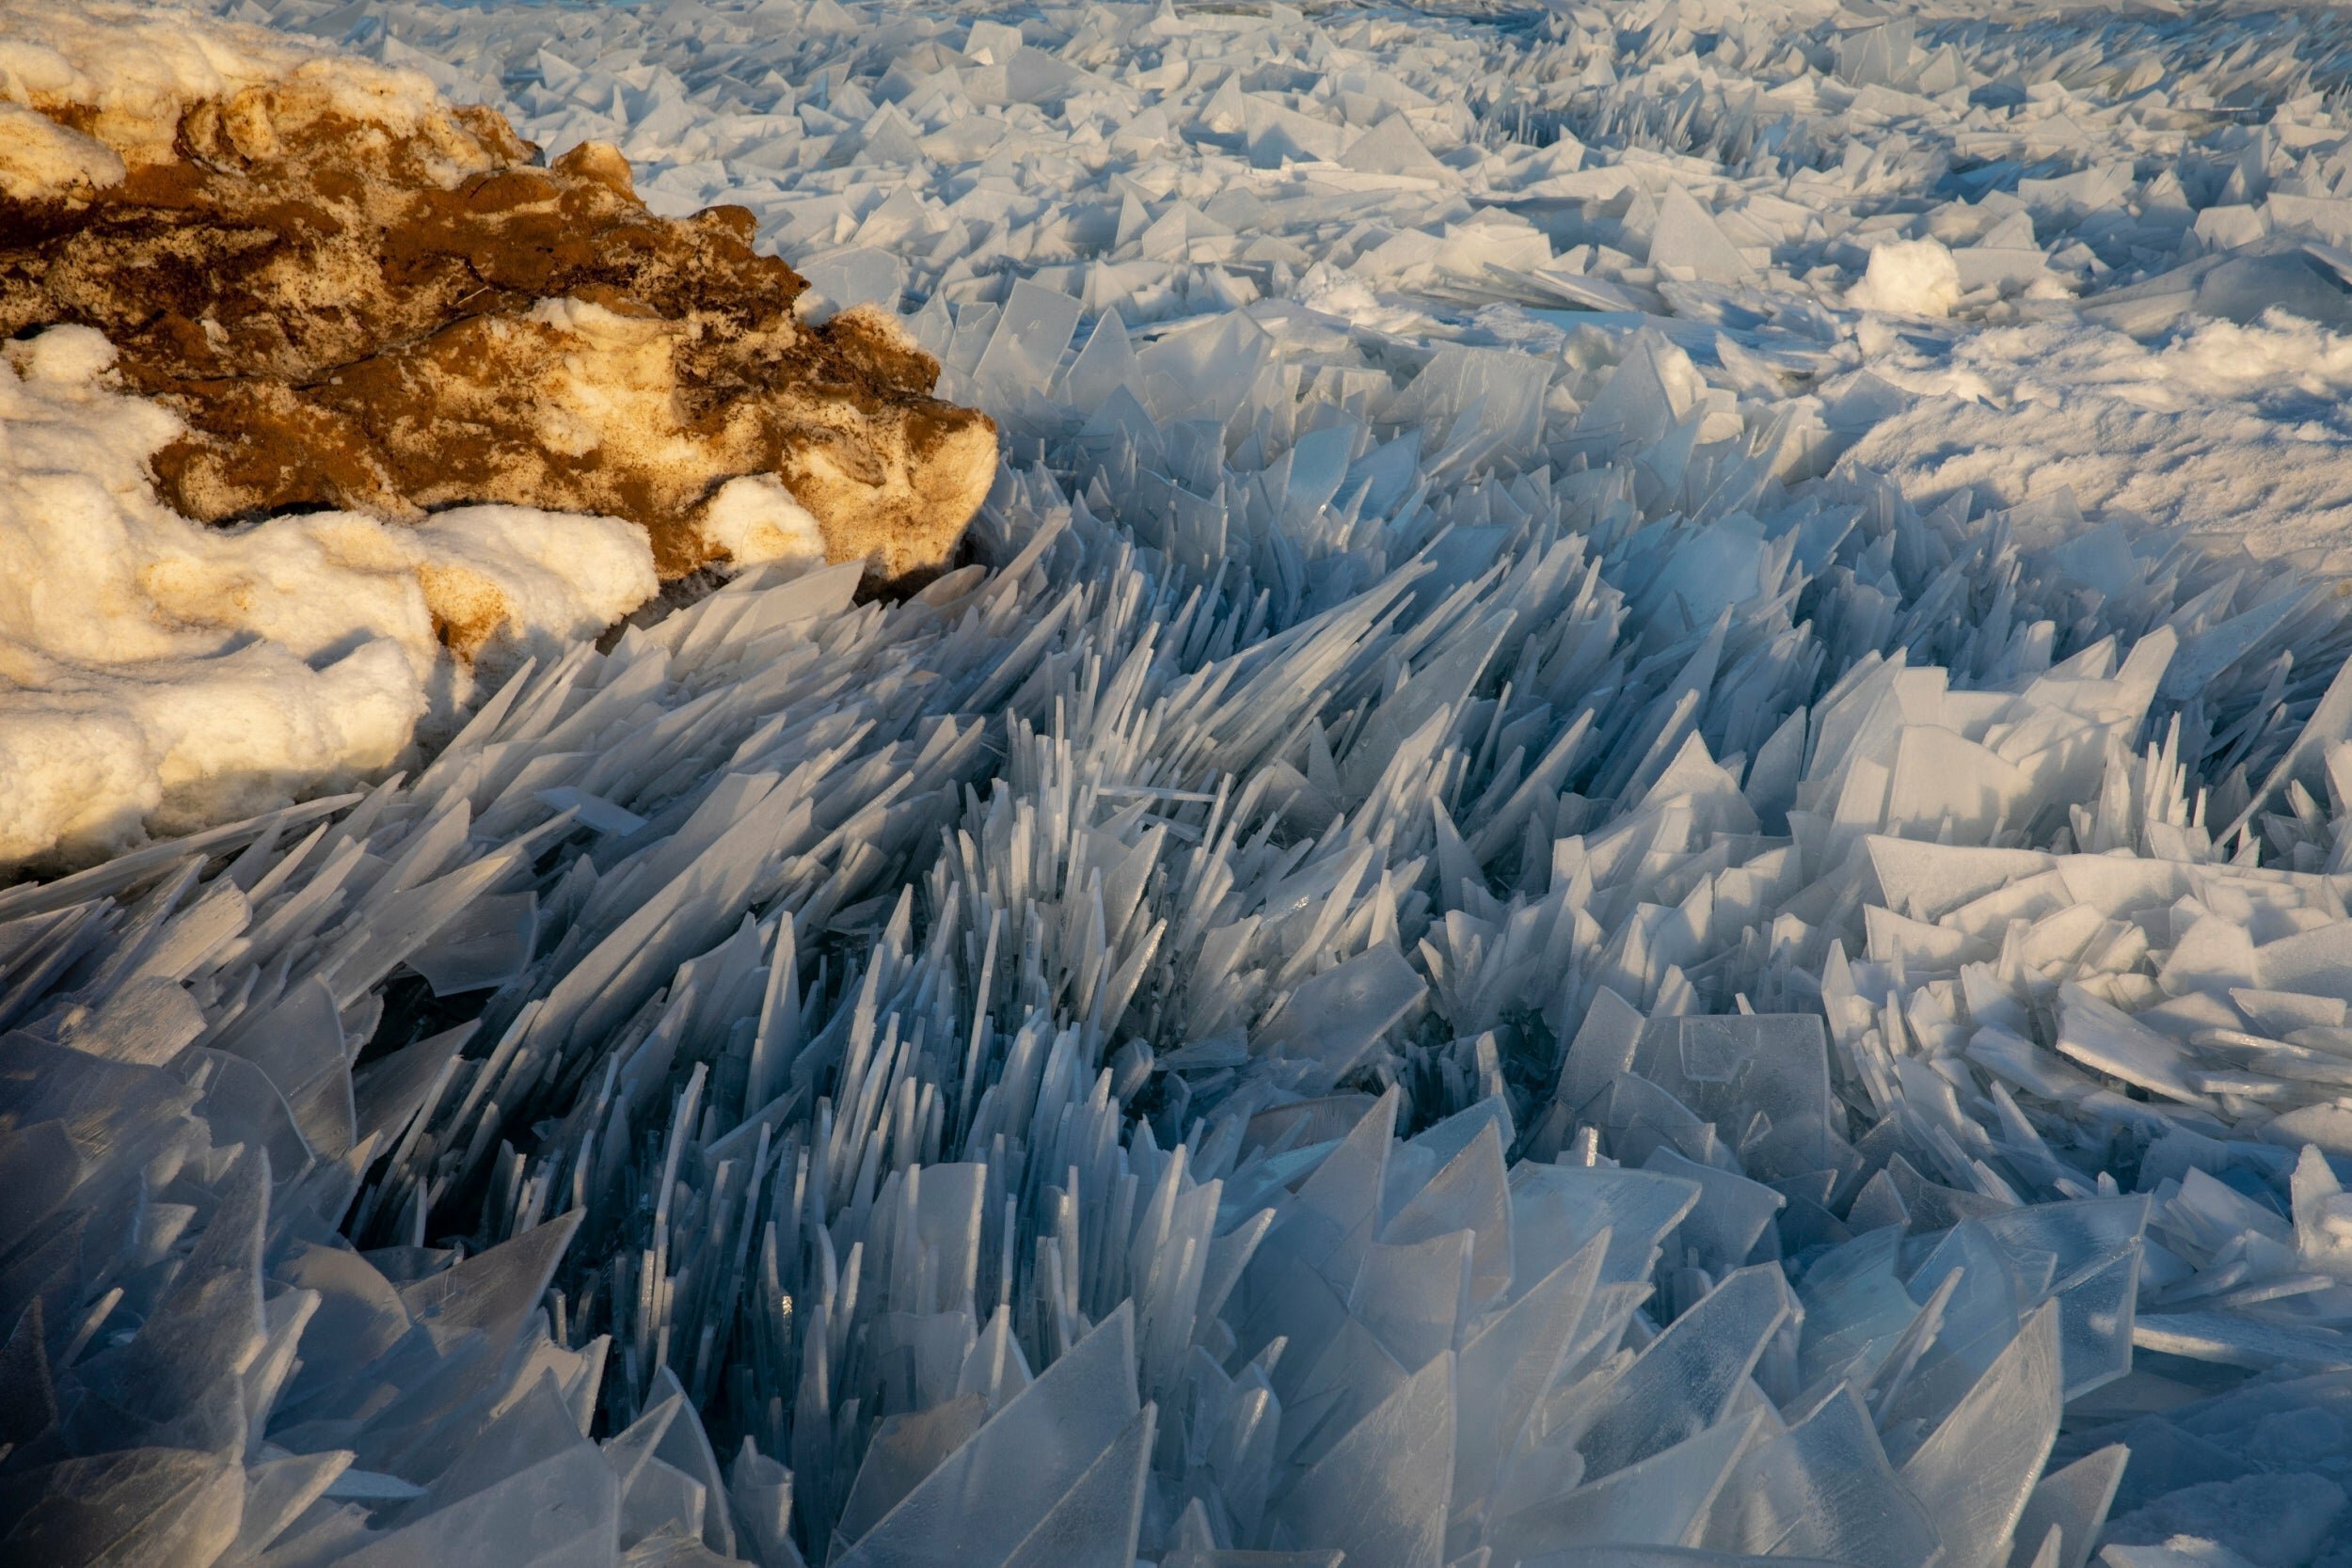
(1554, 897)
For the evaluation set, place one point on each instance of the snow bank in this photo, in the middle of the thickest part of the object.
(160, 676)
(2223, 431)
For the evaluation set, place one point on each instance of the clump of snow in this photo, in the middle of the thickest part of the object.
(44, 161)
(126, 74)
(96, 756)
(1909, 278)
(156, 675)
(63, 356)
(754, 519)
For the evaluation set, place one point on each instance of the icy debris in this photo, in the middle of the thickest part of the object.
(1452, 947)
(891, 1175)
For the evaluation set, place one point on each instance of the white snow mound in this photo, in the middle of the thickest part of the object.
(156, 676)
(1909, 278)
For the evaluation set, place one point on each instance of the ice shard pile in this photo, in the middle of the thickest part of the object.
(1451, 951)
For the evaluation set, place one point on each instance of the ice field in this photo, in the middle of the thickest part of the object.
(1630, 849)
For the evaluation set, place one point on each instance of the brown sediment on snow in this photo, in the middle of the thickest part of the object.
(400, 313)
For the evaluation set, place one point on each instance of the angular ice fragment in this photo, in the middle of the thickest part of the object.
(1379, 1494)
(29, 1401)
(631, 1449)
(995, 1491)
(1026, 348)
(277, 1491)
(1687, 237)
(562, 1511)
(2102, 1036)
(1204, 371)
(686, 1447)
(1824, 1488)
(1977, 1469)
(1661, 1501)
(863, 274)
(2242, 288)
(2072, 1500)
(487, 945)
(2235, 1339)
(1095, 1522)
(1686, 1378)
(535, 1427)
(207, 1325)
(905, 1449)
(1334, 1019)
(761, 1491)
(1276, 134)
(1500, 390)
(131, 1506)
(1412, 1295)
(1556, 1209)
(1733, 1214)
(388, 1092)
(147, 1021)
(1469, 1193)
(1510, 1364)
(1602, 1048)
(242, 1105)
(1649, 390)
(1105, 363)
(494, 1291)
(1391, 147)
(299, 1043)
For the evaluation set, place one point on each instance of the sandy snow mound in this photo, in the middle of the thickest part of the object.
(371, 335)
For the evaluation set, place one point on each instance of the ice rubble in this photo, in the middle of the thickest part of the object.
(1442, 956)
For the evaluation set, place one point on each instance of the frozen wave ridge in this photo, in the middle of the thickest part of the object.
(1469, 942)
